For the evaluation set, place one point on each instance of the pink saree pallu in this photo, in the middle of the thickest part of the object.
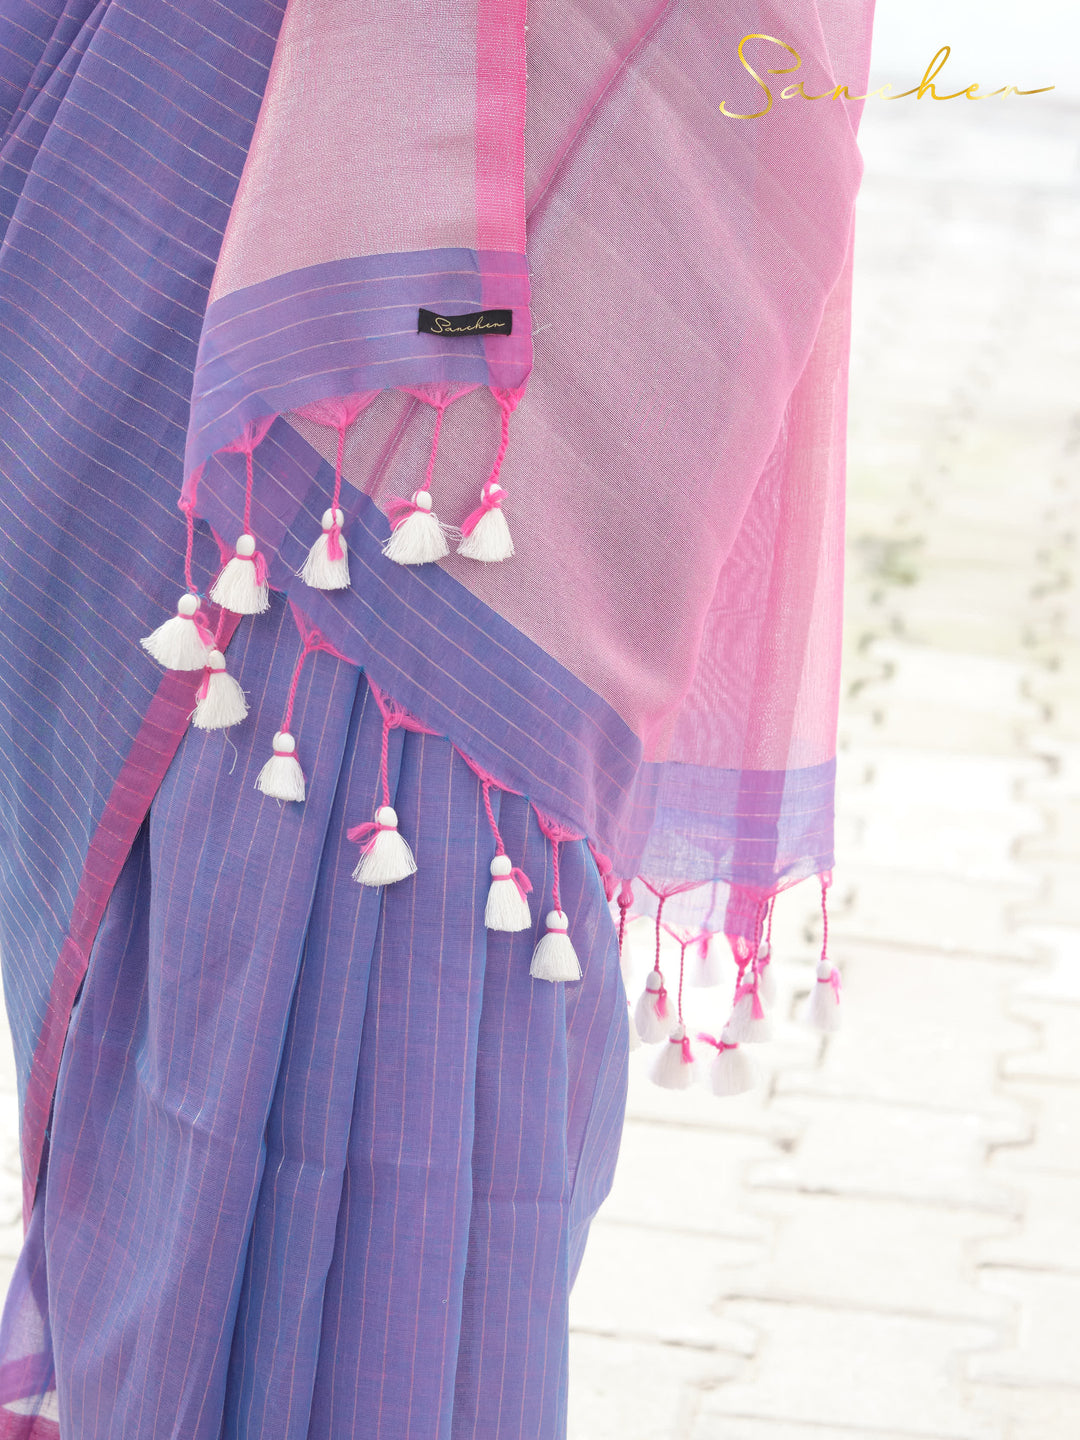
(423, 471)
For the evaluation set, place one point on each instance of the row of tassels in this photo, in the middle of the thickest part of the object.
(655, 1021)
(186, 642)
(418, 536)
(385, 855)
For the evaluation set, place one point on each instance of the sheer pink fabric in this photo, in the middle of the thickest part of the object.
(675, 471)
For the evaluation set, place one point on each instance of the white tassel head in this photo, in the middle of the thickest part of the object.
(183, 642)
(507, 908)
(386, 857)
(418, 537)
(554, 957)
(485, 533)
(748, 1022)
(675, 1067)
(281, 777)
(327, 563)
(220, 702)
(733, 1071)
(707, 968)
(653, 1016)
(822, 1007)
(242, 585)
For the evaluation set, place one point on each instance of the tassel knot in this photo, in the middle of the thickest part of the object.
(486, 535)
(675, 1067)
(185, 640)
(417, 536)
(653, 1016)
(219, 700)
(385, 856)
(507, 906)
(242, 585)
(554, 957)
(281, 777)
(327, 563)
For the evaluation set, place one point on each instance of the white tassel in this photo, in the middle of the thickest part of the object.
(744, 1025)
(507, 908)
(386, 857)
(485, 534)
(319, 570)
(241, 587)
(221, 702)
(766, 978)
(554, 957)
(733, 1071)
(653, 1016)
(419, 538)
(672, 1070)
(707, 970)
(180, 643)
(635, 1038)
(822, 1007)
(281, 777)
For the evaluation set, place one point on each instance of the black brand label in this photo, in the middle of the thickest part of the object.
(481, 322)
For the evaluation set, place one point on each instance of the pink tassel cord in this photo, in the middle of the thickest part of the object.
(242, 585)
(504, 910)
(822, 1009)
(485, 535)
(554, 957)
(385, 856)
(491, 498)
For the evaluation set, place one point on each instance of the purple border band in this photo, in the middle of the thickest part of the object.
(348, 326)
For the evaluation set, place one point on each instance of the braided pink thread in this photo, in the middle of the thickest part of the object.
(556, 833)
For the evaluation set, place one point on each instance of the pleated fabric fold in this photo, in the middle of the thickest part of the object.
(323, 1156)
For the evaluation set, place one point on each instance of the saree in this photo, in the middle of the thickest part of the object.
(553, 538)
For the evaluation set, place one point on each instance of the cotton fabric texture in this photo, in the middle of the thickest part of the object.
(217, 225)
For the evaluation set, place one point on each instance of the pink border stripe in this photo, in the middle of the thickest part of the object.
(136, 785)
(500, 125)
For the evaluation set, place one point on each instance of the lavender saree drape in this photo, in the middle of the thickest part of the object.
(299, 1155)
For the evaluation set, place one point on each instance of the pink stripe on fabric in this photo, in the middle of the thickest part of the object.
(500, 125)
(136, 785)
(27, 1427)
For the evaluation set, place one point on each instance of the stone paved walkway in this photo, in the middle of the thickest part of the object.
(885, 1243)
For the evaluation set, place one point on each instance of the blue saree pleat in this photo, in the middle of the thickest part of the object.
(323, 1156)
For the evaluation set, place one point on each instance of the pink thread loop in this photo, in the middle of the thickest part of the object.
(833, 979)
(742, 990)
(491, 498)
(626, 896)
(520, 879)
(684, 1041)
(399, 511)
(259, 561)
(202, 626)
(204, 685)
(369, 832)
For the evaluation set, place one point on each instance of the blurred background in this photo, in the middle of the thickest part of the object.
(883, 1243)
